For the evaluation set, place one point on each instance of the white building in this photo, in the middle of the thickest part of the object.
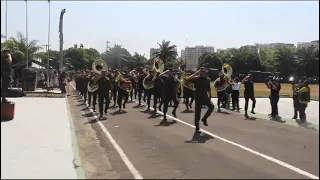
(153, 50)
(309, 44)
(192, 54)
(274, 45)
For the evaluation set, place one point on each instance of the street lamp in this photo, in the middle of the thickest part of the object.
(49, 25)
(27, 41)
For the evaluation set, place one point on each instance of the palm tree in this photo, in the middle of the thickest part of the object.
(308, 61)
(19, 46)
(166, 52)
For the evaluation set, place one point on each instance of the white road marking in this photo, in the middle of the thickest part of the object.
(274, 160)
(135, 173)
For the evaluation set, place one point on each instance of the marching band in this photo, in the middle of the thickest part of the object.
(164, 85)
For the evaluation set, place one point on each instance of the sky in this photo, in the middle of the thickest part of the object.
(139, 26)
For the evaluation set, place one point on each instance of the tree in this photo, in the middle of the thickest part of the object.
(308, 61)
(116, 57)
(210, 60)
(19, 47)
(77, 58)
(285, 60)
(166, 53)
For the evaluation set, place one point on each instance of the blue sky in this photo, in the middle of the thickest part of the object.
(138, 26)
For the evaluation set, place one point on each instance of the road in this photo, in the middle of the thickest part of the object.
(134, 144)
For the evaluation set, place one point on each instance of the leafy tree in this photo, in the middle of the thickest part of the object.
(166, 53)
(19, 47)
(285, 60)
(116, 57)
(308, 61)
(210, 60)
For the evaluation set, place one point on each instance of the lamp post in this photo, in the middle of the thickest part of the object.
(49, 26)
(27, 41)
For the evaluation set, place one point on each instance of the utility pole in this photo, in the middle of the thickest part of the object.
(61, 38)
(108, 45)
(48, 60)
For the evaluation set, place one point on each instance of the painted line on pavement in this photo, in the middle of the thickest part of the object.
(274, 160)
(135, 173)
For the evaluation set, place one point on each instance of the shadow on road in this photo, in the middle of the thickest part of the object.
(96, 120)
(199, 138)
(187, 111)
(152, 116)
(166, 123)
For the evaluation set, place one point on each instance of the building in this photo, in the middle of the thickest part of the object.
(309, 44)
(153, 50)
(274, 45)
(192, 54)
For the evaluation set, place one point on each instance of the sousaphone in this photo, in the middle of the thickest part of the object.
(123, 83)
(158, 66)
(227, 72)
(97, 67)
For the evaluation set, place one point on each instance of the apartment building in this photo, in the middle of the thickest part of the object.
(274, 45)
(308, 44)
(153, 50)
(192, 54)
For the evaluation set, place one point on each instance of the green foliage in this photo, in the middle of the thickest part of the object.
(286, 60)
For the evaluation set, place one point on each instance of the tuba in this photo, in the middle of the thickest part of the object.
(123, 83)
(186, 84)
(227, 72)
(97, 67)
(134, 75)
(158, 66)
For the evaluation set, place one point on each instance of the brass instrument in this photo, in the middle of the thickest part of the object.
(97, 67)
(186, 84)
(134, 75)
(158, 66)
(123, 83)
(227, 72)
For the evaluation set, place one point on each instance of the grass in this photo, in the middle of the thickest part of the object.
(286, 89)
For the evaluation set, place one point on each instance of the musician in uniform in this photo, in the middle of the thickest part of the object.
(85, 81)
(221, 94)
(170, 88)
(114, 86)
(202, 96)
(92, 96)
(248, 94)
(140, 88)
(157, 92)
(123, 94)
(188, 94)
(104, 88)
(134, 88)
(149, 92)
(5, 74)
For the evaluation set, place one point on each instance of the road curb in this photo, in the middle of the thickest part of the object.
(77, 160)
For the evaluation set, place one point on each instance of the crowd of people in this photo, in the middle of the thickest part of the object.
(167, 90)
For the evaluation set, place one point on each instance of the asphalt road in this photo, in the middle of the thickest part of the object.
(150, 149)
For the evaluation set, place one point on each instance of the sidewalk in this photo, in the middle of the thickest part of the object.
(37, 143)
(285, 106)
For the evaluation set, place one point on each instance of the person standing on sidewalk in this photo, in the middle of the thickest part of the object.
(5, 74)
(304, 99)
(236, 85)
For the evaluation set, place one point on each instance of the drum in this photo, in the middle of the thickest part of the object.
(7, 111)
